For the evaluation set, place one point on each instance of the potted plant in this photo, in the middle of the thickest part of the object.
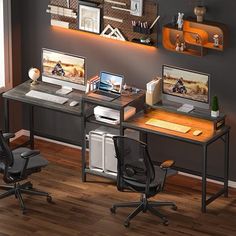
(215, 107)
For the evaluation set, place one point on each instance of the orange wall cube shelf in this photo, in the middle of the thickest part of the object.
(198, 37)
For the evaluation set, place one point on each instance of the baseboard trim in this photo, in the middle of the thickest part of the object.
(24, 132)
(232, 184)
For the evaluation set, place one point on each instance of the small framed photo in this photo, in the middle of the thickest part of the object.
(89, 18)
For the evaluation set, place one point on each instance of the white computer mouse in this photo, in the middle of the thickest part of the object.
(73, 103)
(197, 132)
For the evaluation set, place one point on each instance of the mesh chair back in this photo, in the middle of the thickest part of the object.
(134, 162)
(6, 156)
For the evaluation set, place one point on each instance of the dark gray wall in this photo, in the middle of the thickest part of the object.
(139, 65)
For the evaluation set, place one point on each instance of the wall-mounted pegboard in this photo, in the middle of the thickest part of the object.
(118, 19)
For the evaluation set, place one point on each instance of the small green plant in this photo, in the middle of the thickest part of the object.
(215, 104)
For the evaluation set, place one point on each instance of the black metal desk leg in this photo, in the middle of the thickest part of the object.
(204, 179)
(31, 126)
(226, 169)
(83, 144)
(6, 115)
(143, 137)
(122, 113)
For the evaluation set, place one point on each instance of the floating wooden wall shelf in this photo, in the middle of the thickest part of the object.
(198, 37)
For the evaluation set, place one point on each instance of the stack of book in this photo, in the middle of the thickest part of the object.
(92, 83)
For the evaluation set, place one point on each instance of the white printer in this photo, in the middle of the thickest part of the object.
(112, 116)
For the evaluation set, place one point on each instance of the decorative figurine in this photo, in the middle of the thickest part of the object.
(178, 47)
(34, 74)
(216, 40)
(180, 20)
(177, 43)
(197, 39)
(200, 11)
(182, 47)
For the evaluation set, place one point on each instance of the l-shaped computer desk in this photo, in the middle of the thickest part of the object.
(84, 111)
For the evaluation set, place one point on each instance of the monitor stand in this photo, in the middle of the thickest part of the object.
(186, 108)
(64, 90)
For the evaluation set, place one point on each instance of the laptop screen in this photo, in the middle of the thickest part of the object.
(111, 82)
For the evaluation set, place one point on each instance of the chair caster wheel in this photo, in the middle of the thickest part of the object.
(49, 199)
(174, 208)
(113, 210)
(126, 224)
(166, 223)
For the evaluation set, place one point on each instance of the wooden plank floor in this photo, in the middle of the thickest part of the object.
(83, 208)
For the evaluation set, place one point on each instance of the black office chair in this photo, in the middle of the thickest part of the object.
(136, 173)
(16, 166)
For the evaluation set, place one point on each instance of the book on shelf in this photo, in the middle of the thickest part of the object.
(92, 83)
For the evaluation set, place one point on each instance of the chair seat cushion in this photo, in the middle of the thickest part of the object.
(35, 162)
(155, 185)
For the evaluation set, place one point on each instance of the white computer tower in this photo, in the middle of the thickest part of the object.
(110, 161)
(102, 152)
(96, 160)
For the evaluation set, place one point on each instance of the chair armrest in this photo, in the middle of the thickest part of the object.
(29, 154)
(26, 156)
(8, 136)
(167, 164)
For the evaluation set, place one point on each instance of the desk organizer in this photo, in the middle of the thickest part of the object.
(116, 21)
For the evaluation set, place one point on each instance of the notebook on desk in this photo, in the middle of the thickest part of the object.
(110, 86)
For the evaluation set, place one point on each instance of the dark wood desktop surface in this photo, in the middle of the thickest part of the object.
(208, 133)
(124, 100)
(18, 94)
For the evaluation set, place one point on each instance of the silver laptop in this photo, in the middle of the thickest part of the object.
(110, 86)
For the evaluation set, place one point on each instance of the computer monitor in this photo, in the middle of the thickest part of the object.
(184, 86)
(63, 69)
(110, 82)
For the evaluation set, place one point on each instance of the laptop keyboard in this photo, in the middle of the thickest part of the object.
(111, 95)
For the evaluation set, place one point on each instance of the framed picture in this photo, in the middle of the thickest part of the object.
(89, 18)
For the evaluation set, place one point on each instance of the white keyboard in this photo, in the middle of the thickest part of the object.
(168, 125)
(46, 97)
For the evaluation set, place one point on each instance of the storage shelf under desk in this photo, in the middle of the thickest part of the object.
(136, 100)
(92, 119)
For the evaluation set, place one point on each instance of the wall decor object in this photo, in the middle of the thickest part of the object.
(200, 11)
(111, 33)
(34, 74)
(61, 11)
(216, 40)
(89, 18)
(180, 20)
(116, 13)
(197, 36)
(115, 2)
(136, 8)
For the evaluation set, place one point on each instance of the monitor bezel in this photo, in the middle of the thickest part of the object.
(108, 91)
(67, 54)
(179, 99)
